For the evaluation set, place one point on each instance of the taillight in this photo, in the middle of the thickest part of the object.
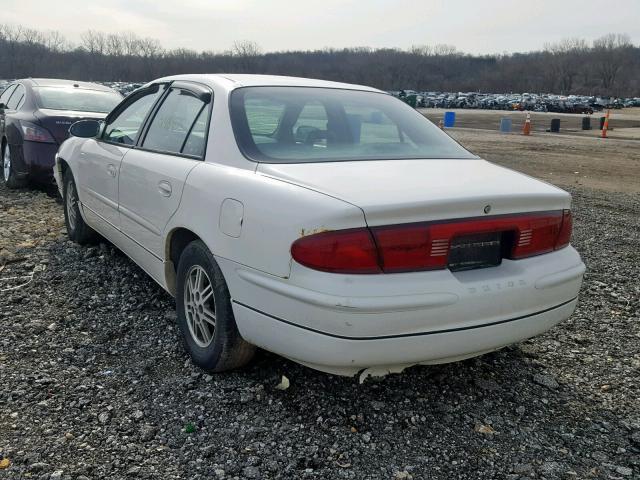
(565, 230)
(35, 133)
(426, 246)
(341, 251)
(411, 247)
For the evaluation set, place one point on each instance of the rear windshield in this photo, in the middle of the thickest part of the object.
(303, 124)
(81, 100)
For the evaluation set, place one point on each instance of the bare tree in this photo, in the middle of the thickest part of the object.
(245, 48)
(94, 42)
(421, 50)
(445, 50)
(12, 33)
(608, 66)
(115, 45)
(610, 51)
(150, 47)
(55, 41)
(565, 61)
(246, 53)
(31, 36)
(131, 43)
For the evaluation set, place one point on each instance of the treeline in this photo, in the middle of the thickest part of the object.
(608, 66)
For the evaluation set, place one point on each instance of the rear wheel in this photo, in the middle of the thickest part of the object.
(11, 180)
(205, 317)
(77, 229)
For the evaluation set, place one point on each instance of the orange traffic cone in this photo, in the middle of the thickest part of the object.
(605, 127)
(526, 129)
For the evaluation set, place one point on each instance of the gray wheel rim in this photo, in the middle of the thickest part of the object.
(72, 204)
(199, 306)
(6, 164)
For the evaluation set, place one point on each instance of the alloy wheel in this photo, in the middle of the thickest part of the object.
(72, 205)
(199, 306)
(6, 164)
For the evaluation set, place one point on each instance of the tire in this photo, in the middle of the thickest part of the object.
(77, 229)
(205, 317)
(11, 180)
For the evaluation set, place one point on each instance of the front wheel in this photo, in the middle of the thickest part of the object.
(11, 180)
(77, 229)
(205, 317)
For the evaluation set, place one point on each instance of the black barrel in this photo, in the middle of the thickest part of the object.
(555, 125)
(586, 123)
(602, 119)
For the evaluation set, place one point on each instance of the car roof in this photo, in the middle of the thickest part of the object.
(231, 81)
(57, 82)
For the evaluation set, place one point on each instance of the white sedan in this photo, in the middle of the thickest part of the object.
(326, 222)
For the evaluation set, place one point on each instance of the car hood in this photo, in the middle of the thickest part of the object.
(403, 191)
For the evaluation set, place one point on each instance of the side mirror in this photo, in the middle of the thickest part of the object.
(85, 128)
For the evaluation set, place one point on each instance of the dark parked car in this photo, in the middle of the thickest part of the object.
(35, 116)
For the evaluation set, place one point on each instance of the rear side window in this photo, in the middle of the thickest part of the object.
(196, 141)
(304, 124)
(179, 122)
(125, 127)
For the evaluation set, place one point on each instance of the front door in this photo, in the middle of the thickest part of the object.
(100, 159)
(152, 176)
(97, 180)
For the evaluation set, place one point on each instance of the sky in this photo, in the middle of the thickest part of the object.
(473, 26)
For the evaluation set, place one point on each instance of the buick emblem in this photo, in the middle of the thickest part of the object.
(487, 208)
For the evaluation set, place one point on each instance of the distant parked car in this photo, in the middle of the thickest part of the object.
(35, 116)
(329, 223)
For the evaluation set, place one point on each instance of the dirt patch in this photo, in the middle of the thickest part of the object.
(612, 165)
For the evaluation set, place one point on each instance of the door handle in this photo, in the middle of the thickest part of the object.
(164, 188)
(111, 169)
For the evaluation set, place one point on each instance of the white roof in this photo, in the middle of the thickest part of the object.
(235, 80)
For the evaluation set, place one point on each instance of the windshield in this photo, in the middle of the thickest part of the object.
(304, 124)
(81, 100)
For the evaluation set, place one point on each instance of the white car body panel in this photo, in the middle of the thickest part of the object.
(150, 187)
(249, 214)
(405, 191)
(268, 227)
(97, 177)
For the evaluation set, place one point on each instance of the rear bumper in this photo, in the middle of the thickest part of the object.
(348, 356)
(39, 159)
(365, 321)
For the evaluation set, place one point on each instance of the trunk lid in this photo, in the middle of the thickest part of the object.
(404, 191)
(57, 122)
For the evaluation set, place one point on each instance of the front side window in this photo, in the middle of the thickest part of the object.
(303, 124)
(4, 98)
(16, 98)
(180, 114)
(125, 127)
(76, 99)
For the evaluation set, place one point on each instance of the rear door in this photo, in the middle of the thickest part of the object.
(100, 159)
(152, 176)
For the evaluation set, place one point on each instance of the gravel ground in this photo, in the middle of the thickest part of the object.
(94, 384)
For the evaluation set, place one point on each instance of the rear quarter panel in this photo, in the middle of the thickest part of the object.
(274, 215)
(69, 152)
